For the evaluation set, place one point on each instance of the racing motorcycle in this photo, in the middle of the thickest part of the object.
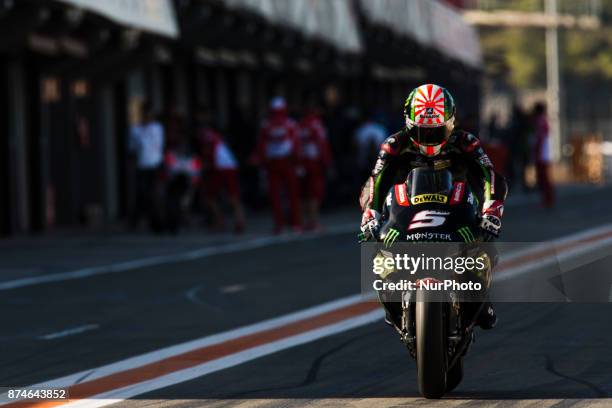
(436, 327)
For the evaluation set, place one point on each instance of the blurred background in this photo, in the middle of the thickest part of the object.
(138, 194)
(81, 79)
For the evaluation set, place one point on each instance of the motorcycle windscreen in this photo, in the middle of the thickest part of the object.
(429, 181)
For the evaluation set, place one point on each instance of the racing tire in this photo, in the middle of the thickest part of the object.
(454, 375)
(430, 345)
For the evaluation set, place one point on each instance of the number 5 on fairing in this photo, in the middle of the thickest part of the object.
(428, 218)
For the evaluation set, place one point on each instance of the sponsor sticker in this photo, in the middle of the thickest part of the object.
(442, 164)
(429, 198)
(458, 193)
(428, 236)
(401, 196)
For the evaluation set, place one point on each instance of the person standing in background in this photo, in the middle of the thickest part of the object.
(542, 155)
(518, 143)
(146, 141)
(278, 150)
(182, 174)
(368, 138)
(220, 172)
(316, 160)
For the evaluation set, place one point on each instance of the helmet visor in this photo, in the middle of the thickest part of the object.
(428, 136)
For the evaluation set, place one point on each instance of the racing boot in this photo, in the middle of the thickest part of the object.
(487, 319)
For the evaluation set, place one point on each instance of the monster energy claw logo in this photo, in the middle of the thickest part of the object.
(466, 234)
(391, 237)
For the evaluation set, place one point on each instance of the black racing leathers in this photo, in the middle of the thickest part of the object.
(462, 154)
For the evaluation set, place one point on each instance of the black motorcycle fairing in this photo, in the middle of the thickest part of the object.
(430, 203)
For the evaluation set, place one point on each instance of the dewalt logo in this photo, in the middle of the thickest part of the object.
(429, 198)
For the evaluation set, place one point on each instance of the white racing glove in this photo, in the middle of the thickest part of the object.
(491, 217)
(490, 224)
(370, 223)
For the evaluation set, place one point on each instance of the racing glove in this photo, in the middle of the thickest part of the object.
(370, 224)
(491, 217)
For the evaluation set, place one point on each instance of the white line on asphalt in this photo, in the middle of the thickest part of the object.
(206, 252)
(239, 357)
(232, 360)
(557, 256)
(233, 288)
(265, 325)
(161, 354)
(547, 245)
(69, 332)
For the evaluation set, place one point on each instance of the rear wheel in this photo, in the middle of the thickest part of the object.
(430, 345)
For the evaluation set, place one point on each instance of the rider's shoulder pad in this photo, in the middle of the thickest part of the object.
(464, 141)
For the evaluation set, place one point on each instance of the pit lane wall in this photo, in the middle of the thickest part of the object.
(73, 71)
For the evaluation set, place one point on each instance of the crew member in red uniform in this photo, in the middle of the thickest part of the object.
(278, 150)
(316, 160)
(220, 173)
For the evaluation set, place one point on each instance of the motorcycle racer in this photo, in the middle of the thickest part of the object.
(431, 139)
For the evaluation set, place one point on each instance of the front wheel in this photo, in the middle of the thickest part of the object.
(454, 375)
(430, 345)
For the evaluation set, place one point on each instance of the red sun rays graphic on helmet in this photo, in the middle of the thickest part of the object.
(429, 105)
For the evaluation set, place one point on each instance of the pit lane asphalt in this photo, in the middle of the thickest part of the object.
(539, 351)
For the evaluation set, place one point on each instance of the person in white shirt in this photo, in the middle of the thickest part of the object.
(146, 142)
